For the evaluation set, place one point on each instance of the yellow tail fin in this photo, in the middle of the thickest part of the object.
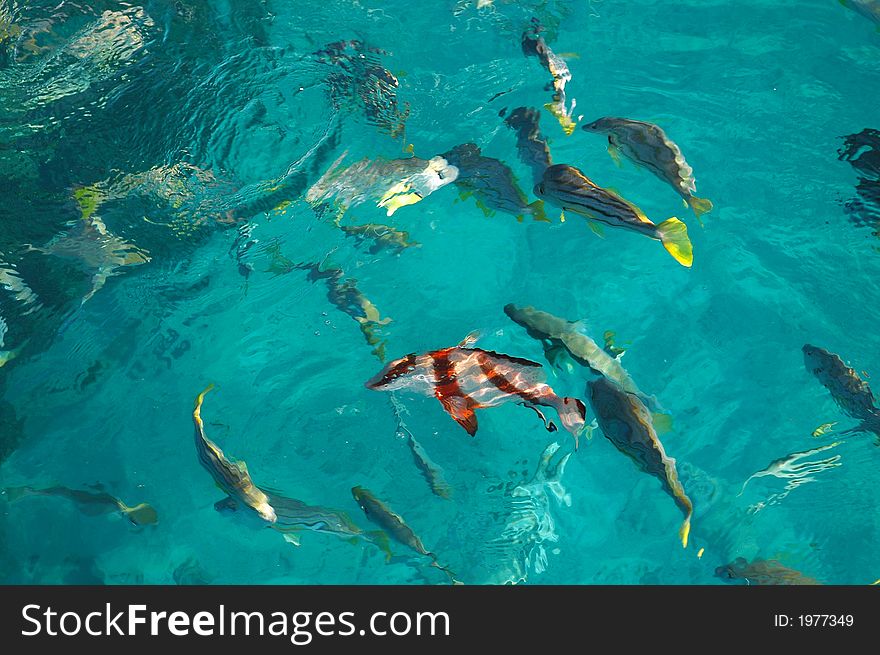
(538, 212)
(685, 531)
(674, 236)
(699, 205)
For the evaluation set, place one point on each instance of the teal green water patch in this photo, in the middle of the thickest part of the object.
(285, 176)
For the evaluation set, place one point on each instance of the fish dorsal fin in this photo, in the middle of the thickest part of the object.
(512, 359)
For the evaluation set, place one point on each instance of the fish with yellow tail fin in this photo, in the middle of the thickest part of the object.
(379, 513)
(762, 572)
(534, 45)
(567, 187)
(91, 503)
(492, 183)
(231, 477)
(647, 145)
(626, 423)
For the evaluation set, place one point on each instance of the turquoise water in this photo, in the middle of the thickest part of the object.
(199, 127)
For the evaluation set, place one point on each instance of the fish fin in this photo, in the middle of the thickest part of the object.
(537, 211)
(662, 422)
(562, 216)
(381, 541)
(471, 338)
(596, 228)
(229, 503)
(685, 531)
(674, 237)
(291, 538)
(14, 493)
(699, 205)
(461, 409)
(615, 155)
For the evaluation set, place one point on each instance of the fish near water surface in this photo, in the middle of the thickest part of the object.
(849, 391)
(534, 45)
(492, 183)
(467, 379)
(232, 477)
(626, 423)
(556, 332)
(647, 145)
(567, 187)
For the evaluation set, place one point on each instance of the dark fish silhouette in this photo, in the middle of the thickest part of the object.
(530, 143)
(492, 183)
(626, 422)
(91, 503)
(762, 572)
(379, 513)
(848, 390)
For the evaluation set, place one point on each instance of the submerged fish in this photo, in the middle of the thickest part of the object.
(492, 183)
(95, 250)
(91, 503)
(762, 572)
(530, 143)
(345, 295)
(870, 9)
(626, 422)
(568, 188)
(432, 473)
(465, 379)
(359, 77)
(384, 237)
(647, 145)
(533, 45)
(851, 393)
(232, 477)
(392, 184)
(379, 513)
(792, 468)
(7, 356)
(556, 332)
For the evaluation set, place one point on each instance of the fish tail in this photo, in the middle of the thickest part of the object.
(573, 414)
(445, 570)
(14, 493)
(685, 530)
(699, 205)
(674, 237)
(201, 397)
(537, 210)
(685, 503)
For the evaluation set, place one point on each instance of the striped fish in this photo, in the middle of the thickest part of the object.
(466, 379)
(626, 422)
(848, 390)
(647, 145)
(568, 188)
(492, 183)
(231, 477)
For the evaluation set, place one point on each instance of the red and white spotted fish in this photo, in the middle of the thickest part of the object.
(466, 379)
